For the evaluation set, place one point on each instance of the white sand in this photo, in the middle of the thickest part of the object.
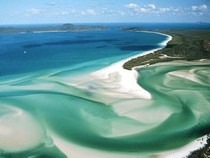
(18, 130)
(186, 150)
(72, 150)
(121, 81)
(185, 74)
(125, 81)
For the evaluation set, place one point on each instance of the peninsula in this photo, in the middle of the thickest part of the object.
(185, 45)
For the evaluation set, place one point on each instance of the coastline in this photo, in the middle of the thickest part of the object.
(186, 150)
(116, 83)
(186, 45)
(196, 147)
(128, 82)
(67, 147)
(122, 91)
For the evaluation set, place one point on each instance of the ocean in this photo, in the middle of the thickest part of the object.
(58, 99)
(39, 51)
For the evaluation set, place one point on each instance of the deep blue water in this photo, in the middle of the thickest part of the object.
(28, 52)
(61, 49)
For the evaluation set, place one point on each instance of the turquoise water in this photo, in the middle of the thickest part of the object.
(45, 114)
(186, 98)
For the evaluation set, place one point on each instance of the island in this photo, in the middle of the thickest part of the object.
(48, 28)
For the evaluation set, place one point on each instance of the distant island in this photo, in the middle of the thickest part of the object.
(52, 28)
(185, 45)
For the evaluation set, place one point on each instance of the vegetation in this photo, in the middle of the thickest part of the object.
(202, 152)
(185, 45)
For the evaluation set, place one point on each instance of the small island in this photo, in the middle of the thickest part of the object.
(48, 28)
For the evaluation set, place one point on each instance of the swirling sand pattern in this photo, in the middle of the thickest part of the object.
(38, 104)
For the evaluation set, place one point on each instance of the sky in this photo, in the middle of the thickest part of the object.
(97, 11)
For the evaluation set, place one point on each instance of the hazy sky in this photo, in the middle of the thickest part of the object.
(80, 11)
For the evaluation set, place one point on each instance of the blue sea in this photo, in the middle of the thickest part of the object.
(38, 51)
(51, 106)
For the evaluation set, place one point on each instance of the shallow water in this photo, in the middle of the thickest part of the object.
(40, 106)
(183, 90)
(51, 113)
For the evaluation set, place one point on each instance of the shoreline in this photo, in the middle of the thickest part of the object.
(196, 147)
(130, 76)
(117, 83)
(186, 150)
(186, 45)
(127, 79)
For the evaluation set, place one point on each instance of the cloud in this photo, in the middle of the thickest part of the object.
(63, 13)
(163, 10)
(151, 6)
(141, 9)
(33, 11)
(85, 12)
(152, 9)
(200, 8)
(176, 10)
(90, 12)
(108, 12)
(75, 12)
(132, 6)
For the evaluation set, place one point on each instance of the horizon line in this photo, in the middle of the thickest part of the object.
(107, 23)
